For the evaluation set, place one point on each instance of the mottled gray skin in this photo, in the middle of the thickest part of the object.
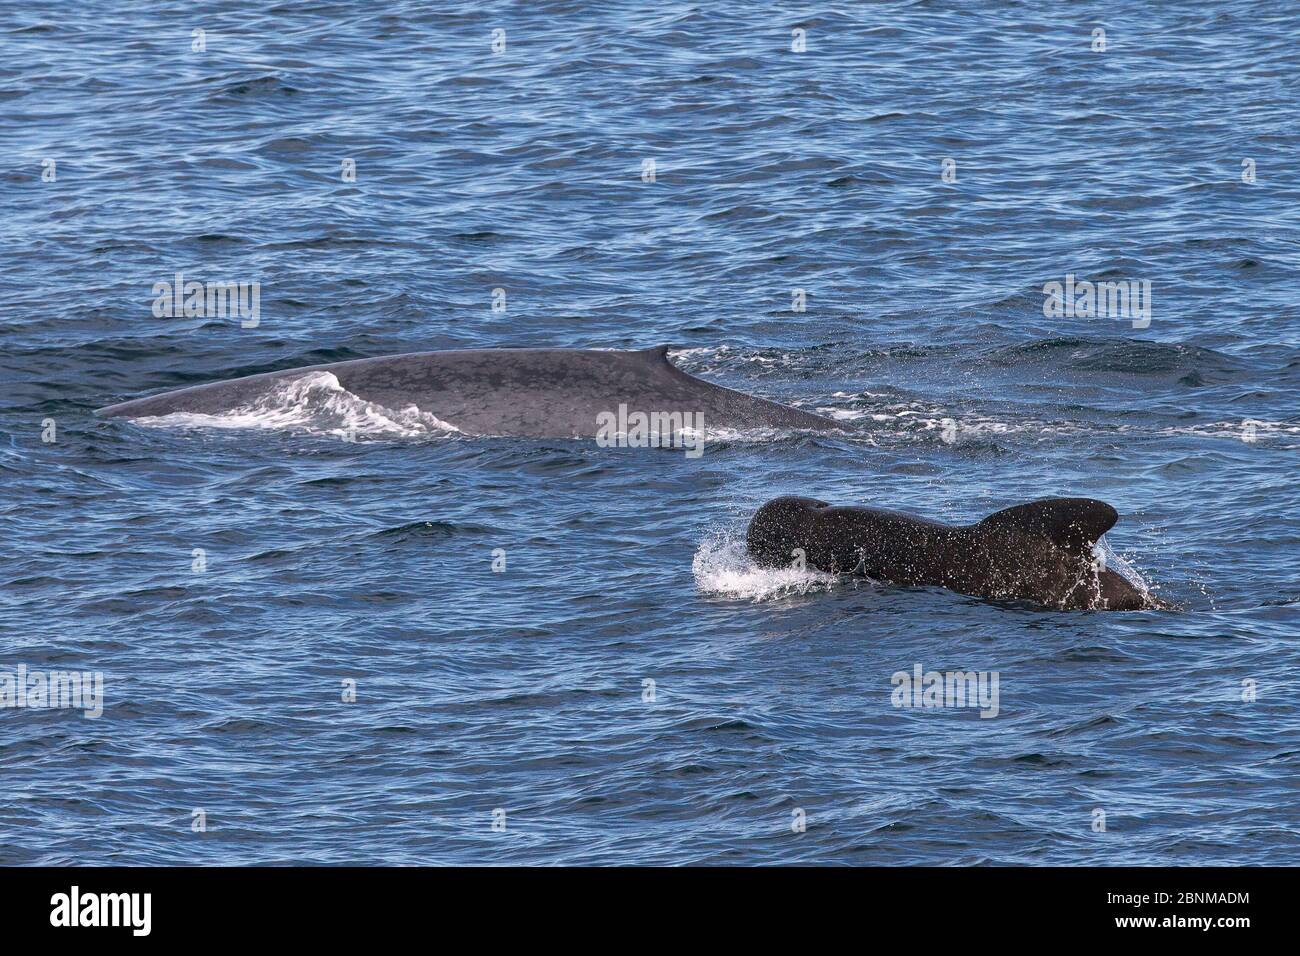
(1039, 552)
(530, 393)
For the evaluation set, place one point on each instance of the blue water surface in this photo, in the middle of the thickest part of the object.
(629, 689)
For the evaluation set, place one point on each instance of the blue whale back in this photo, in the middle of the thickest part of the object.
(532, 393)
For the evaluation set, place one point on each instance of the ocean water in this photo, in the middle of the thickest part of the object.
(630, 689)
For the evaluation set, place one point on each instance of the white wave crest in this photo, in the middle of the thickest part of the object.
(722, 566)
(317, 404)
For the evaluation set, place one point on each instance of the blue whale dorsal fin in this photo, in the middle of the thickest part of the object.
(658, 353)
(1074, 523)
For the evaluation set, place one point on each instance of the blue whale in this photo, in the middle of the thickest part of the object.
(529, 393)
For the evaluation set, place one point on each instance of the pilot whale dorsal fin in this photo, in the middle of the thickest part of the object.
(1075, 523)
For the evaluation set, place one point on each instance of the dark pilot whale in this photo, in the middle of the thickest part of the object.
(1040, 552)
(531, 393)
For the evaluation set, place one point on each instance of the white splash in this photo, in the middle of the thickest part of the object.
(1109, 558)
(722, 566)
(1248, 430)
(908, 420)
(319, 405)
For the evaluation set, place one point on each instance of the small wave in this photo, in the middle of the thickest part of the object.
(422, 530)
(251, 87)
(1123, 356)
(722, 566)
(317, 404)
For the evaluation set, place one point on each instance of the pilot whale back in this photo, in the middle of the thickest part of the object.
(529, 393)
(1042, 551)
